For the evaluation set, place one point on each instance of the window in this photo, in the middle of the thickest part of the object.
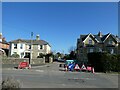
(22, 54)
(41, 46)
(90, 41)
(91, 50)
(15, 46)
(21, 46)
(29, 46)
(110, 41)
(100, 50)
(112, 51)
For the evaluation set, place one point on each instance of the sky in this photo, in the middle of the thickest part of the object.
(58, 23)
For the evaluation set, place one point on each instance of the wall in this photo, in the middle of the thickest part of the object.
(17, 61)
(18, 50)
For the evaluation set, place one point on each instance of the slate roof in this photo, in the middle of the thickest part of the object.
(34, 42)
(100, 39)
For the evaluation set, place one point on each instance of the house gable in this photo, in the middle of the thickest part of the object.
(110, 39)
(90, 38)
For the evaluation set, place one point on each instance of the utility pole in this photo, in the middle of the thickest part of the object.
(30, 59)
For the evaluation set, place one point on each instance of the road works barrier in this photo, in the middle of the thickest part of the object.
(77, 68)
(24, 65)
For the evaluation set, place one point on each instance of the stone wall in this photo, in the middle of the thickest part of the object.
(38, 61)
(17, 60)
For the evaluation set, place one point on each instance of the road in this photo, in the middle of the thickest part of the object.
(50, 76)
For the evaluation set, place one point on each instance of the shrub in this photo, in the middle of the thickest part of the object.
(10, 84)
(15, 55)
(41, 55)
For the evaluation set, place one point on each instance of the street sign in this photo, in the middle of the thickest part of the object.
(83, 67)
(70, 66)
(77, 67)
(23, 65)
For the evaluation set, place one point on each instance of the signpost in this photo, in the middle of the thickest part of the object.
(30, 58)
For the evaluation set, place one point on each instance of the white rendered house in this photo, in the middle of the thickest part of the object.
(23, 47)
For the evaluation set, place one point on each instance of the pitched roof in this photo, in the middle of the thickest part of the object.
(105, 37)
(39, 42)
(109, 34)
(100, 39)
(83, 37)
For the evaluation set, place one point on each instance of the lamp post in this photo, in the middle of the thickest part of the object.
(30, 59)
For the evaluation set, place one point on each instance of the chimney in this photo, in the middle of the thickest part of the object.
(100, 34)
(0, 37)
(3, 39)
(37, 37)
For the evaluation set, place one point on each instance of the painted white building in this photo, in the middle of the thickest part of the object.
(23, 47)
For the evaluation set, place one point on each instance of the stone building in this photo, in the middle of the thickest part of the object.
(97, 43)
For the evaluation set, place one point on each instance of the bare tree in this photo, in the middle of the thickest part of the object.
(72, 48)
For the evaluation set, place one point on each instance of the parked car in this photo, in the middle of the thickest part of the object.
(61, 60)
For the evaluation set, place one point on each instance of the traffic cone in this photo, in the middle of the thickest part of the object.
(29, 66)
(66, 68)
(93, 70)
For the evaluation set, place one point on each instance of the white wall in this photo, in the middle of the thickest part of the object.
(24, 49)
(18, 50)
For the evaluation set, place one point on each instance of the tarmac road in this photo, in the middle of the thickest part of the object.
(49, 76)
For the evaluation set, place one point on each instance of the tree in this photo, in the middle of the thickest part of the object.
(72, 55)
(72, 48)
(66, 57)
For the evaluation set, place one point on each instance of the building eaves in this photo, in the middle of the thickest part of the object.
(34, 42)
(18, 41)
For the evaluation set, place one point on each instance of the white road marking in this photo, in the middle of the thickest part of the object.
(39, 70)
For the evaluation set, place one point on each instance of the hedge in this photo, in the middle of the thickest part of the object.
(104, 62)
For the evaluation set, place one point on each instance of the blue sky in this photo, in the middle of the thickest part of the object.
(60, 24)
